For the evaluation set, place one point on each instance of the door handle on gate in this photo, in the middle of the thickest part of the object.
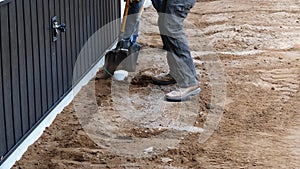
(56, 28)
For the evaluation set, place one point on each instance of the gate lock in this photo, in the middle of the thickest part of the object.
(56, 28)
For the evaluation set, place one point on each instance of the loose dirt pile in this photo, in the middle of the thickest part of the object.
(247, 55)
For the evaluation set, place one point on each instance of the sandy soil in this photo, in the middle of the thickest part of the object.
(247, 56)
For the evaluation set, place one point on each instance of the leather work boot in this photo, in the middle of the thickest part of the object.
(163, 79)
(182, 94)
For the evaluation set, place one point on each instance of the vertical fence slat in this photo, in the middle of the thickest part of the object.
(118, 17)
(42, 55)
(99, 19)
(78, 38)
(22, 67)
(58, 53)
(15, 72)
(92, 37)
(36, 60)
(55, 88)
(47, 40)
(84, 35)
(105, 24)
(29, 61)
(73, 37)
(6, 73)
(102, 23)
(62, 39)
(95, 29)
(110, 30)
(68, 44)
(89, 33)
(3, 147)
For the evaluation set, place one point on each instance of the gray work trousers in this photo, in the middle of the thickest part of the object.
(171, 17)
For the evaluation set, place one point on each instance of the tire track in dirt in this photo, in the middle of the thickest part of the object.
(285, 81)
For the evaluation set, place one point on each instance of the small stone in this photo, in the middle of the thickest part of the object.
(171, 148)
(116, 116)
(148, 150)
(81, 133)
(209, 106)
(184, 160)
(166, 160)
(272, 88)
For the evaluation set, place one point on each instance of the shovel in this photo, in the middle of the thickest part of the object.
(115, 57)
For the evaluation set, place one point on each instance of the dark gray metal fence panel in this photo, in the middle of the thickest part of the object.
(35, 72)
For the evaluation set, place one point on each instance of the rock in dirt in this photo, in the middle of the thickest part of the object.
(148, 150)
(209, 106)
(166, 160)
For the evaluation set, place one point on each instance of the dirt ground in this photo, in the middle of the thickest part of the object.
(247, 55)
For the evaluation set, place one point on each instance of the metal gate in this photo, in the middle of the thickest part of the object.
(36, 72)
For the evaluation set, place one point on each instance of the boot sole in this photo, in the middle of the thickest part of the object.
(184, 98)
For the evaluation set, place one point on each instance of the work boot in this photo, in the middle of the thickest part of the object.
(182, 94)
(163, 79)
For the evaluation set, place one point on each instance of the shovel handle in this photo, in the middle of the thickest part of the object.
(125, 16)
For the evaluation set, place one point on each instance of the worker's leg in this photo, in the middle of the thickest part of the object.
(171, 18)
(132, 23)
(157, 4)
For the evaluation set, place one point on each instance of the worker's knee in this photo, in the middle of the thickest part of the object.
(170, 25)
